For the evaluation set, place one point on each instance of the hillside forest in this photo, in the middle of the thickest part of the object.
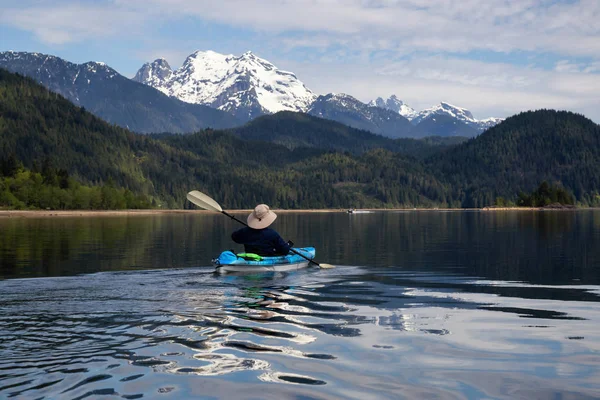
(55, 155)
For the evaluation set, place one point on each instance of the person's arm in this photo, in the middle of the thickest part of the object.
(237, 236)
(280, 245)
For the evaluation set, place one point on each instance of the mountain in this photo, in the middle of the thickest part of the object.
(350, 111)
(113, 97)
(296, 130)
(396, 105)
(154, 74)
(485, 124)
(443, 119)
(520, 153)
(246, 86)
(443, 125)
(516, 155)
(38, 125)
(438, 120)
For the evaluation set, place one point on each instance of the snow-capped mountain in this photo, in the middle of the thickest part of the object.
(154, 74)
(459, 113)
(393, 103)
(160, 99)
(443, 119)
(487, 123)
(352, 112)
(113, 97)
(246, 86)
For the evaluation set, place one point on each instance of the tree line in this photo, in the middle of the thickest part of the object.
(50, 146)
(52, 188)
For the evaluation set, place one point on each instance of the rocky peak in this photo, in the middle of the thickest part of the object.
(393, 103)
(157, 72)
(229, 82)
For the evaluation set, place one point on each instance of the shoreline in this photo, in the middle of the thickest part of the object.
(129, 213)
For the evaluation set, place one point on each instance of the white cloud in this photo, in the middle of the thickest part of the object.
(72, 23)
(352, 44)
(464, 72)
(404, 25)
(571, 67)
(567, 66)
(436, 25)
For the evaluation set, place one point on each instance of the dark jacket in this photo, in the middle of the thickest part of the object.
(264, 242)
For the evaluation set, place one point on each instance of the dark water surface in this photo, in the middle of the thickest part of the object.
(421, 305)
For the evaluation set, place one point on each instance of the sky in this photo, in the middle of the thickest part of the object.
(494, 57)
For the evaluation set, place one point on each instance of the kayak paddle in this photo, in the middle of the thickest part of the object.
(207, 203)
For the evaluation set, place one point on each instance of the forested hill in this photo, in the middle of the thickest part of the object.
(519, 153)
(37, 125)
(293, 129)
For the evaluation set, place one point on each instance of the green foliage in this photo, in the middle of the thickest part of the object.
(56, 155)
(514, 156)
(54, 190)
(294, 130)
(546, 195)
(10, 166)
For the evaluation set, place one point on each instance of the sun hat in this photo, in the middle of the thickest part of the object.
(261, 217)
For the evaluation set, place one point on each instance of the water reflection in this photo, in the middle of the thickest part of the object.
(348, 332)
(439, 314)
(538, 247)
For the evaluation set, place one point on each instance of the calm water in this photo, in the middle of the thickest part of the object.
(421, 305)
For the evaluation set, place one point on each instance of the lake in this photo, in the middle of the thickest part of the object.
(421, 304)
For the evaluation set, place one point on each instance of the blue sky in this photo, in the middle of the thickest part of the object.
(495, 57)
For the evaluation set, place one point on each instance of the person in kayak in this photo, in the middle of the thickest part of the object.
(258, 238)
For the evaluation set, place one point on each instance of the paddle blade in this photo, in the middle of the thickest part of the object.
(203, 201)
(326, 266)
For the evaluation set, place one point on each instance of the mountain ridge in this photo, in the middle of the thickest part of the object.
(354, 113)
(249, 86)
(113, 97)
(459, 114)
(516, 155)
(521, 152)
(245, 85)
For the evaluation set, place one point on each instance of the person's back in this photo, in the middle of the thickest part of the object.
(257, 237)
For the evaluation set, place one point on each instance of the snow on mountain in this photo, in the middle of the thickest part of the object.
(342, 101)
(396, 105)
(443, 109)
(488, 123)
(352, 112)
(154, 74)
(113, 97)
(246, 84)
(461, 114)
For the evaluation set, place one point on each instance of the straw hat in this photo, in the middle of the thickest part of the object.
(261, 217)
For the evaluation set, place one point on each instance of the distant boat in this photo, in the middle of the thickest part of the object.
(355, 211)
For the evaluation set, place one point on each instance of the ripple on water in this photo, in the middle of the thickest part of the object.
(352, 335)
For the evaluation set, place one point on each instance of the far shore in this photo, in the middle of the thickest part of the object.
(128, 213)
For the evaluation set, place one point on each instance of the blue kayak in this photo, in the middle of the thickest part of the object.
(228, 261)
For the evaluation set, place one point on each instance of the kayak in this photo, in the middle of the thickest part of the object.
(228, 261)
